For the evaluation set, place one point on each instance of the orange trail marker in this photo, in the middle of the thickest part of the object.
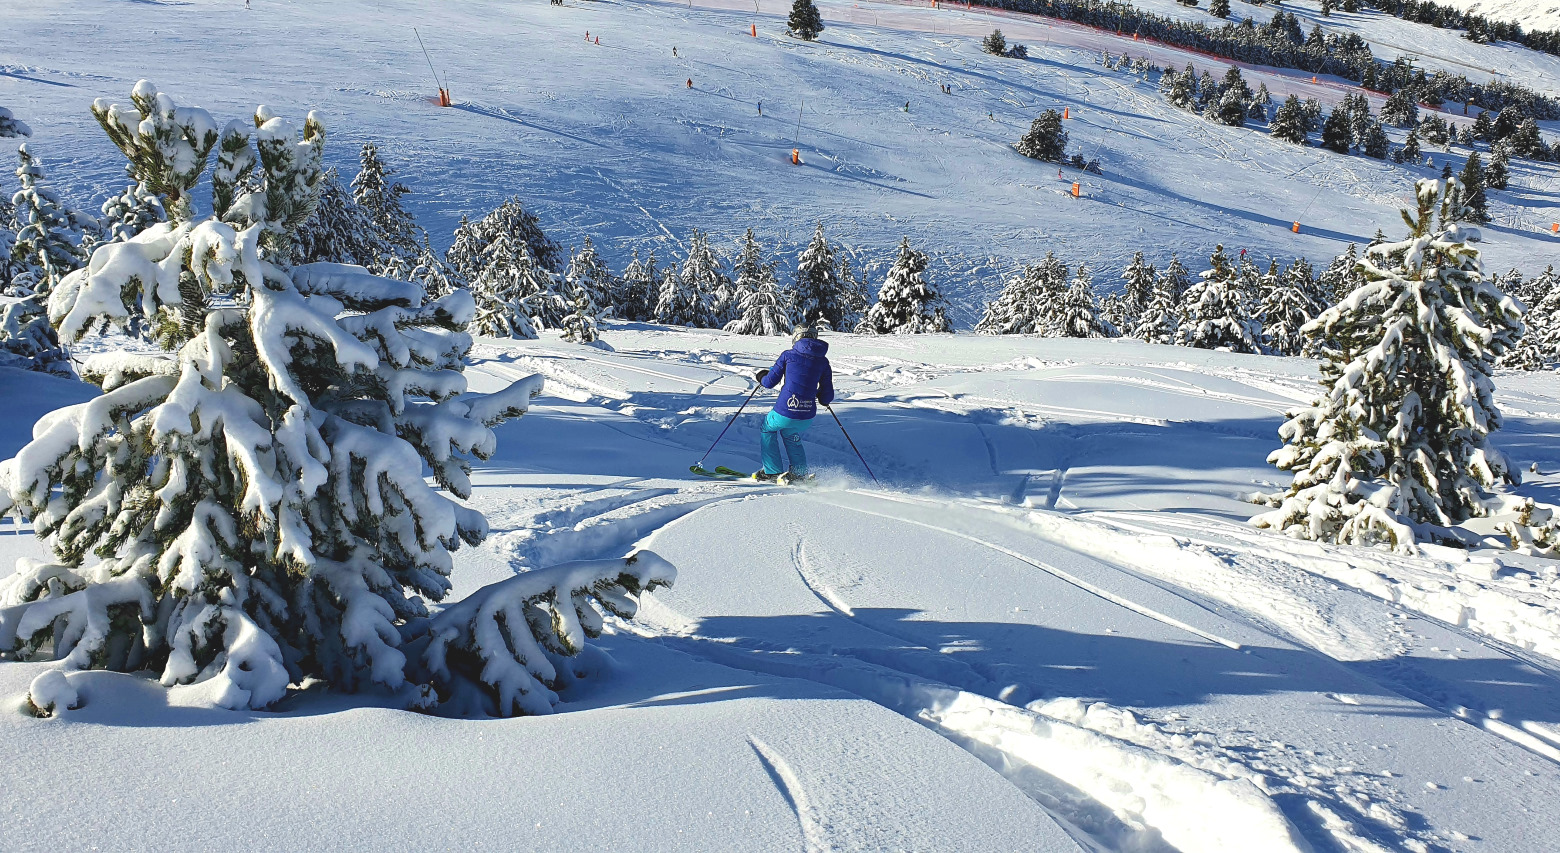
(796, 157)
(1296, 227)
(1554, 228)
(1066, 112)
(1075, 189)
(755, 30)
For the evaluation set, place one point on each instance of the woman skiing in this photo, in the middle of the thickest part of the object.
(808, 380)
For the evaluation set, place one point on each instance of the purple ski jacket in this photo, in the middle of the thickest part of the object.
(808, 379)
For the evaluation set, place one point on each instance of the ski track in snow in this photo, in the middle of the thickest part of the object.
(814, 837)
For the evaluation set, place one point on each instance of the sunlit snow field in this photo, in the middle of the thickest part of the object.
(1046, 626)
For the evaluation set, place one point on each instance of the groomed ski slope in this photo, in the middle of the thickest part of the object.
(607, 141)
(1047, 628)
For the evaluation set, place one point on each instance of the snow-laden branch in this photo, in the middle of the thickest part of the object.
(508, 637)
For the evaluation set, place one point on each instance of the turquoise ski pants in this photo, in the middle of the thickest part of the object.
(777, 427)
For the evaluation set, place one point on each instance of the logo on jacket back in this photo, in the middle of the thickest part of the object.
(797, 404)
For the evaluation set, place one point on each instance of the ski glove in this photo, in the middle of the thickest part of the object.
(760, 373)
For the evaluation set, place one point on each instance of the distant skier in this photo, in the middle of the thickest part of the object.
(690, 82)
(760, 107)
(808, 380)
(674, 51)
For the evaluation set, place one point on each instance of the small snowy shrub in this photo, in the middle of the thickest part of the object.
(50, 693)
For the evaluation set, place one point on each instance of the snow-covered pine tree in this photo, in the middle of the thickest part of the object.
(131, 212)
(1260, 104)
(430, 271)
(1471, 183)
(1336, 134)
(1342, 277)
(1543, 319)
(636, 294)
(1182, 93)
(394, 233)
(805, 23)
(762, 307)
(817, 292)
(1498, 173)
(854, 296)
(48, 235)
(12, 127)
(1360, 118)
(508, 259)
(1218, 312)
(1401, 110)
(1286, 307)
(1176, 277)
(1229, 107)
(7, 238)
(1113, 313)
(1080, 311)
(1410, 150)
(257, 497)
(1207, 93)
(1397, 447)
(588, 271)
(580, 326)
(1046, 140)
(1160, 319)
(28, 342)
(994, 44)
(338, 232)
(1375, 143)
(508, 294)
(470, 252)
(1219, 8)
(906, 303)
(1021, 308)
(1249, 277)
(690, 301)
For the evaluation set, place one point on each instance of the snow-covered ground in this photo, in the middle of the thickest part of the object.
(607, 140)
(1531, 14)
(1047, 628)
(1047, 625)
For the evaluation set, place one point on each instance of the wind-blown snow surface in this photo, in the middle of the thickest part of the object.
(608, 141)
(1048, 628)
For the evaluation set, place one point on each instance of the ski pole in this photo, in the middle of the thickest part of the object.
(853, 445)
(728, 425)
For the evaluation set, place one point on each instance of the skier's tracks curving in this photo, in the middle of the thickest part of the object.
(1060, 574)
(814, 839)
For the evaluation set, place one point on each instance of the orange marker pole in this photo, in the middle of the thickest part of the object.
(1554, 228)
(755, 30)
(1075, 189)
(796, 157)
(1296, 227)
(1066, 112)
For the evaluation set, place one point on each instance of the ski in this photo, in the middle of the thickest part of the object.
(721, 472)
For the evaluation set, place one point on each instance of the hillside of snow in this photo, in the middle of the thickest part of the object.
(1042, 620)
(1531, 14)
(1048, 627)
(608, 141)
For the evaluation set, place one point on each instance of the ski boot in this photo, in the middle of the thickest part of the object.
(791, 478)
